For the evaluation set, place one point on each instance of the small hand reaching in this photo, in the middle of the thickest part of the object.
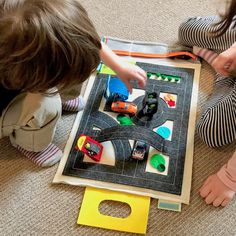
(215, 192)
(128, 72)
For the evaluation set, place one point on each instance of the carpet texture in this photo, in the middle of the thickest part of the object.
(31, 205)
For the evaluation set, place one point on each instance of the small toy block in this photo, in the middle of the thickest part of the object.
(169, 205)
(171, 103)
(164, 132)
(158, 162)
(124, 120)
(136, 222)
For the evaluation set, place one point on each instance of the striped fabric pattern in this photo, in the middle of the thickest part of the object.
(197, 31)
(48, 157)
(73, 105)
(208, 55)
(217, 125)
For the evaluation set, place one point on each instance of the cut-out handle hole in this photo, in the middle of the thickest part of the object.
(114, 209)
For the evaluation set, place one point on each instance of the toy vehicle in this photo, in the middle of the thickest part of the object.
(116, 90)
(90, 147)
(150, 104)
(139, 150)
(124, 107)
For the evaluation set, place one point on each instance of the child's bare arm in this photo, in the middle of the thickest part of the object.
(227, 173)
(124, 70)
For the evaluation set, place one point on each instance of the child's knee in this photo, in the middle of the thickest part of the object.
(184, 29)
(207, 130)
(31, 121)
(203, 129)
(206, 136)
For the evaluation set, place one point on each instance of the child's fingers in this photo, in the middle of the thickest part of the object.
(141, 77)
(210, 198)
(218, 201)
(141, 80)
(204, 191)
(206, 181)
(142, 72)
(128, 85)
(225, 202)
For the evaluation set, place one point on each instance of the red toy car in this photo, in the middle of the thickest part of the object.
(90, 147)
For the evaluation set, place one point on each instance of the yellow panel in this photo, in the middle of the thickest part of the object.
(107, 70)
(136, 222)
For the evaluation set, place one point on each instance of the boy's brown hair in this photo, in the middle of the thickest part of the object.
(45, 44)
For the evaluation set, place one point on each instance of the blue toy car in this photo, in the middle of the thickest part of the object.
(116, 90)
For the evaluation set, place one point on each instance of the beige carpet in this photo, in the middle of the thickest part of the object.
(31, 205)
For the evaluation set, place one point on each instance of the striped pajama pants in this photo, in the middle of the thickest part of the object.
(217, 125)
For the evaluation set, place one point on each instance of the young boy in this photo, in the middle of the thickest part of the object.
(46, 47)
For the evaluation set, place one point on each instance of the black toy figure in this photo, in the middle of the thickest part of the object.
(150, 106)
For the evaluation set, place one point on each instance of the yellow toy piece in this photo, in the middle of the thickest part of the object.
(80, 142)
(169, 97)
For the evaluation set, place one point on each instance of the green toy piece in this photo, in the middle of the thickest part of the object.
(158, 162)
(124, 120)
(177, 79)
(163, 76)
(149, 74)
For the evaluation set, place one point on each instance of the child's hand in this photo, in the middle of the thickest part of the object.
(215, 192)
(124, 70)
(225, 63)
(128, 72)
